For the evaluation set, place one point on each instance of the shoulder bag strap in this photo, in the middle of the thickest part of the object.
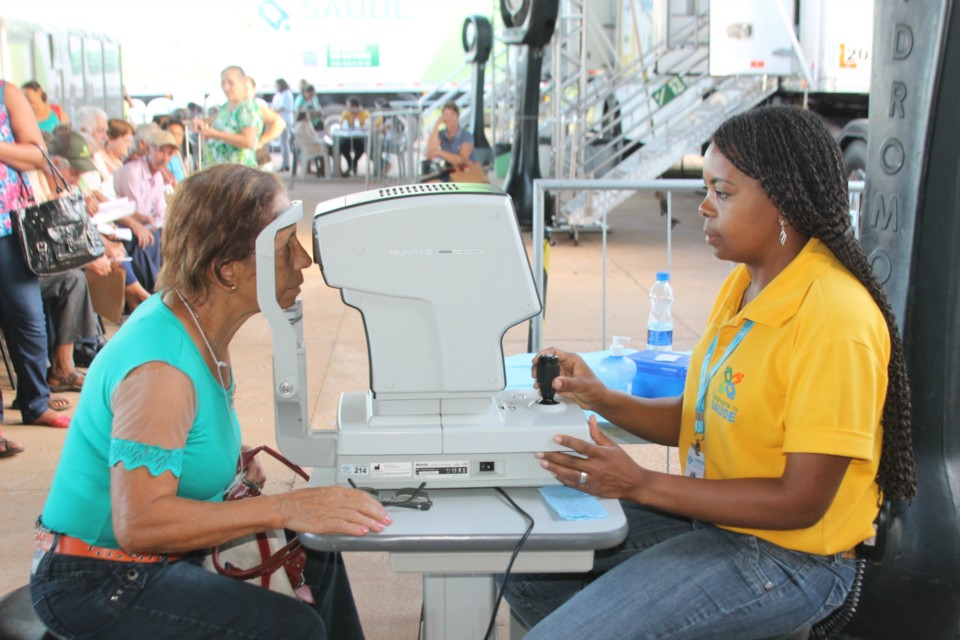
(61, 184)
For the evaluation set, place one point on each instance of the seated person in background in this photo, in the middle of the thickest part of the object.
(72, 157)
(450, 143)
(309, 143)
(92, 124)
(48, 115)
(156, 441)
(356, 118)
(793, 426)
(67, 300)
(140, 143)
(112, 156)
(309, 103)
(119, 141)
(142, 182)
(176, 166)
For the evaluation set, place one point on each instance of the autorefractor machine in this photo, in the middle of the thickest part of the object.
(438, 273)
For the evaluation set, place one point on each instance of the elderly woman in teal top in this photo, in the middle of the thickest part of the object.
(154, 444)
(232, 136)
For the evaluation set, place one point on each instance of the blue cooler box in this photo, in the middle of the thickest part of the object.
(660, 374)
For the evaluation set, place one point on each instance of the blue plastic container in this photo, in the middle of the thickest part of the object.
(660, 374)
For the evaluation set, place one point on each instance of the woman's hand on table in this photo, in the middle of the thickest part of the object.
(609, 471)
(333, 510)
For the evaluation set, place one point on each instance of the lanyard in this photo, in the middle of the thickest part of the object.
(706, 373)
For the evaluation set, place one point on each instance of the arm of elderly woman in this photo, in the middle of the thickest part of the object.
(246, 139)
(156, 405)
(796, 499)
(23, 154)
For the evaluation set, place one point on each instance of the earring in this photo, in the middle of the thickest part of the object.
(783, 234)
(233, 287)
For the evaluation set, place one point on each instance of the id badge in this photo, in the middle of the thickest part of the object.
(696, 463)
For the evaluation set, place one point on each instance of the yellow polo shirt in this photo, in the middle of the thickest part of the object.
(809, 377)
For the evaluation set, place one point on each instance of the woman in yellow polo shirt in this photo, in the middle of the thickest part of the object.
(793, 426)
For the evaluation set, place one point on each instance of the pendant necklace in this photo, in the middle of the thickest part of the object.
(220, 364)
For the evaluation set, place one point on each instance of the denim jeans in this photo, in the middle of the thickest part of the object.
(90, 598)
(673, 578)
(145, 261)
(25, 328)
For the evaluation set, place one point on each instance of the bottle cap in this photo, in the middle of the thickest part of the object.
(663, 276)
(616, 347)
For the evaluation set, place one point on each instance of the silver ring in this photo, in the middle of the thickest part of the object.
(583, 477)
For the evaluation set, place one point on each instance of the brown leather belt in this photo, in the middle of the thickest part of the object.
(71, 546)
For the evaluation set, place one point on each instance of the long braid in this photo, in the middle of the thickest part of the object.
(797, 163)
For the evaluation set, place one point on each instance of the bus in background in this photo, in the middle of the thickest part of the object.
(74, 67)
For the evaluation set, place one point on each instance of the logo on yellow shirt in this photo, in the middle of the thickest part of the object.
(726, 410)
(730, 382)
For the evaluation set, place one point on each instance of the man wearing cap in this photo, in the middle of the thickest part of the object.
(142, 182)
(71, 154)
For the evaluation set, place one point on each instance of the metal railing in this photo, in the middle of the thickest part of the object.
(540, 187)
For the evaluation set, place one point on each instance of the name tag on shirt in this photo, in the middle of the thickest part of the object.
(696, 464)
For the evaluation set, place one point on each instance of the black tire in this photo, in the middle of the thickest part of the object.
(855, 160)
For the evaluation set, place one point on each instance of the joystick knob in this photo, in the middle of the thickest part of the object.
(548, 368)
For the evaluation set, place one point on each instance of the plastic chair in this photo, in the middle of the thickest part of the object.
(307, 150)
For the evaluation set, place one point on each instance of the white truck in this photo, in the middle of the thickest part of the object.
(821, 49)
(73, 66)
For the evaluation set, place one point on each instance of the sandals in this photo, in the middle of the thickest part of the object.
(57, 404)
(9, 447)
(73, 381)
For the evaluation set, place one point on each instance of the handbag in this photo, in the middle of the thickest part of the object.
(258, 558)
(56, 235)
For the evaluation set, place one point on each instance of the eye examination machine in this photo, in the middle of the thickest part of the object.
(439, 273)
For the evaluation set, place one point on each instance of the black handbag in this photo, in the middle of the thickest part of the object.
(57, 235)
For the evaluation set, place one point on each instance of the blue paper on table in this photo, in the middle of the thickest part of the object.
(571, 504)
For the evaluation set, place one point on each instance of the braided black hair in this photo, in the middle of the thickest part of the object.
(790, 152)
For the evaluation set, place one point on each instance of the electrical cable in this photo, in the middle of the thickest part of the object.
(513, 556)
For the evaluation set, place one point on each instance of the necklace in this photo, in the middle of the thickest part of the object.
(220, 363)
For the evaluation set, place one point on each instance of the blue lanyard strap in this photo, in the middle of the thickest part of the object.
(707, 373)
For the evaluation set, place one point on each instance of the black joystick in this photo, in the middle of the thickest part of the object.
(548, 368)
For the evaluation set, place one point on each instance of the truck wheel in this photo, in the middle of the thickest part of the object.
(855, 160)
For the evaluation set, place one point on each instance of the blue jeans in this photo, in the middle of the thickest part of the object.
(145, 261)
(90, 598)
(25, 328)
(673, 578)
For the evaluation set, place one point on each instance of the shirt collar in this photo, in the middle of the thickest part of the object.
(781, 299)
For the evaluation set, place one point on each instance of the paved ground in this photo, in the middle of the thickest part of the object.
(337, 361)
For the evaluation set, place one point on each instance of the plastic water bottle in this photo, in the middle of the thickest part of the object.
(660, 320)
(617, 371)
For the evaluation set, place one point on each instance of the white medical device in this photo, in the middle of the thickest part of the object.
(439, 273)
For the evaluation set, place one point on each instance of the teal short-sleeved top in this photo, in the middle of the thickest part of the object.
(79, 500)
(234, 120)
